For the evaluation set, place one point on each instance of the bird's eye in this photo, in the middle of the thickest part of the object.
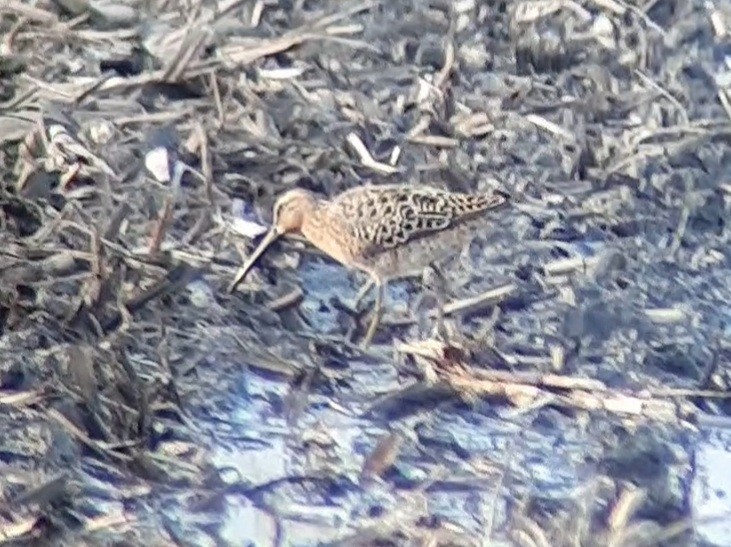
(277, 211)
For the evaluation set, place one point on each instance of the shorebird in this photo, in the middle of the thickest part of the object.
(385, 231)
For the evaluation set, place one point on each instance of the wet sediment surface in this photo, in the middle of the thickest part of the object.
(578, 393)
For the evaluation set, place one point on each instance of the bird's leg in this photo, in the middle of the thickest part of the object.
(377, 311)
(367, 286)
(434, 282)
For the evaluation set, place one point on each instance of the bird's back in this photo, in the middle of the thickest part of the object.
(389, 226)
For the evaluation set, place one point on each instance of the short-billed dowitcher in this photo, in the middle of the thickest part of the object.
(385, 231)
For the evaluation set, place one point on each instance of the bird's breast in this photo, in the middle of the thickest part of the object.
(331, 239)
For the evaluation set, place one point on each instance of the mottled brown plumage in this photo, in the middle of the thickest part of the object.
(384, 231)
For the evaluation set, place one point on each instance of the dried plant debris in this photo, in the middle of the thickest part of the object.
(578, 357)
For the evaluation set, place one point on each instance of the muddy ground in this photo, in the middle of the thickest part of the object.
(577, 394)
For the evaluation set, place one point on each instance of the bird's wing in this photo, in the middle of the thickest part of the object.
(383, 217)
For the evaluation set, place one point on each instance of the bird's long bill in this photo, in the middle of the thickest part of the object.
(269, 238)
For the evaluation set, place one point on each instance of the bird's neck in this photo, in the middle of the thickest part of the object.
(312, 217)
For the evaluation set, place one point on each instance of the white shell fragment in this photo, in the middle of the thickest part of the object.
(242, 223)
(157, 162)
